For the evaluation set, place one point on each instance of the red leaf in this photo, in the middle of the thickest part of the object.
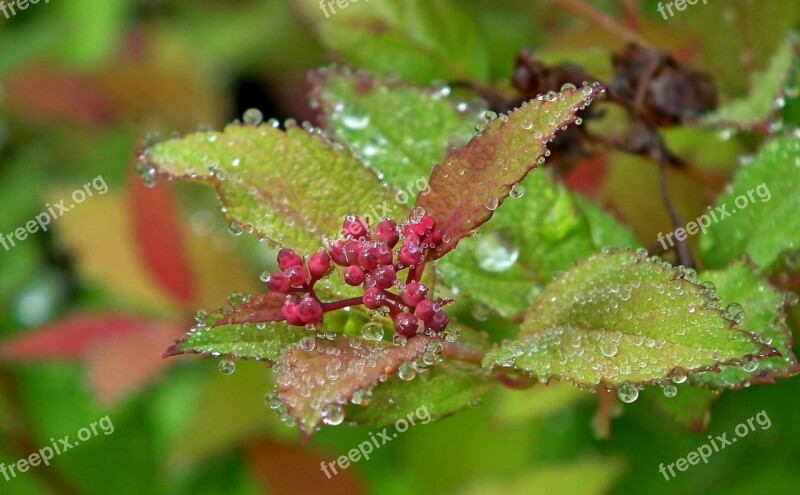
(156, 228)
(291, 470)
(122, 351)
(70, 338)
(258, 309)
(473, 181)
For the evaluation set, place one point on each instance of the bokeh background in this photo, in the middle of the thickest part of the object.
(87, 308)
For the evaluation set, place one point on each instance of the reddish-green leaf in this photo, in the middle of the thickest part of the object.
(472, 182)
(315, 384)
(263, 308)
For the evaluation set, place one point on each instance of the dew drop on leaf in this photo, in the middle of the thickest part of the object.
(628, 393)
(372, 331)
(227, 367)
(308, 343)
(253, 116)
(517, 190)
(750, 365)
(333, 415)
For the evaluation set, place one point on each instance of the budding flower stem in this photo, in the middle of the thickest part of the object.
(391, 296)
(415, 274)
(344, 303)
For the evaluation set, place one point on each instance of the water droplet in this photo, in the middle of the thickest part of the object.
(253, 116)
(308, 343)
(628, 393)
(227, 367)
(372, 331)
(495, 254)
(735, 313)
(569, 86)
(492, 203)
(670, 391)
(406, 372)
(609, 348)
(517, 190)
(333, 414)
(235, 229)
(750, 365)
(355, 122)
(480, 312)
(679, 375)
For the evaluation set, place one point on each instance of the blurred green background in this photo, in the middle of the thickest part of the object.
(92, 302)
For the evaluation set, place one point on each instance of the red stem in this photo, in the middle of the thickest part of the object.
(344, 303)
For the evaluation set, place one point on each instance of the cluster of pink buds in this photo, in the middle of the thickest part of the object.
(369, 259)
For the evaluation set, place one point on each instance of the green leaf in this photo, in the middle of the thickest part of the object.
(758, 216)
(213, 336)
(741, 39)
(315, 381)
(440, 392)
(764, 315)
(399, 130)
(514, 407)
(291, 187)
(239, 341)
(690, 407)
(421, 40)
(475, 180)
(760, 105)
(528, 241)
(586, 478)
(621, 317)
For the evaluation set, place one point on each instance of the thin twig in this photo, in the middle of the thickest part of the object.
(684, 255)
(594, 16)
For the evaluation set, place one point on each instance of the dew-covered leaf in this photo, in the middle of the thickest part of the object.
(316, 381)
(423, 41)
(239, 341)
(474, 181)
(439, 392)
(264, 308)
(291, 187)
(758, 216)
(398, 129)
(621, 317)
(767, 89)
(530, 239)
(761, 309)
